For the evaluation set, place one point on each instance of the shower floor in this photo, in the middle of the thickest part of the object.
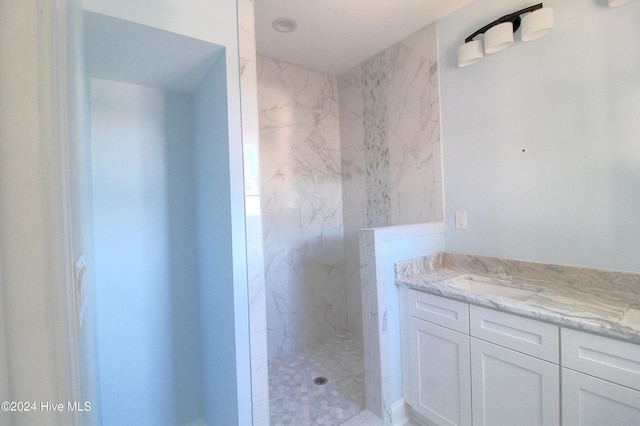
(296, 400)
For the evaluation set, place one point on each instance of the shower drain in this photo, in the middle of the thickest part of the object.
(320, 380)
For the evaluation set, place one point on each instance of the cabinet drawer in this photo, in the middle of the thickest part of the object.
(439, 310)
(535, 338)
(603, 357)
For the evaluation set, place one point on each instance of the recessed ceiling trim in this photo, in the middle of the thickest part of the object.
(284, 25)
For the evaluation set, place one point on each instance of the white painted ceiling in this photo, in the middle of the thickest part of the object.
(334, 36)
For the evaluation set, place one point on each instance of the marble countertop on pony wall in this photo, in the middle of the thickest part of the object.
(602, 302)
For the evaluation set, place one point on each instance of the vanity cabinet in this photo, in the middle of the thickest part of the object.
(473, 365)
(600, 380)
(439, 358)
(460, 356)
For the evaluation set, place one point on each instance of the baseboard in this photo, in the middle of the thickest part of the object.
(400, 413)
(364, 418)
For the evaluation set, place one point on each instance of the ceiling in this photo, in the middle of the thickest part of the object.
(333, 36)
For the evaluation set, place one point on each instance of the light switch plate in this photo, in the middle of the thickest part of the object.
(79, 274)
(461, 220)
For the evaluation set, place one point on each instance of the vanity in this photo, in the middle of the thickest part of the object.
(489, 341)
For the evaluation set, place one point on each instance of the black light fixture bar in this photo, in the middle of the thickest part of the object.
(512, 17)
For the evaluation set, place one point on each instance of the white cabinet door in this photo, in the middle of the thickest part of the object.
(440, 366)
(510, 388)
(589, 401)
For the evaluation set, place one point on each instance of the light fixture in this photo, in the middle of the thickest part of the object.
(498, 35)
(470, 53)
(537, 24)
(284, 25)
(616, 3)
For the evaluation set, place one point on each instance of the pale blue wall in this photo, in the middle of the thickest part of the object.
(145, 254)
(171, 323)
(572, 99)
(224, 315)
(183, 266)
(215, 256)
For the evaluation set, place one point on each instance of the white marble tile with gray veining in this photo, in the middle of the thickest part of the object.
(603, 302)
(255, 256)
(301, 206)
(413, 132)
(390, 139)
(353, 185)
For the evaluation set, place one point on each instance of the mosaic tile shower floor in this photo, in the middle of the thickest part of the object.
(296, 400)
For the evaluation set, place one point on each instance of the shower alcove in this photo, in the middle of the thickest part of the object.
(165, 262)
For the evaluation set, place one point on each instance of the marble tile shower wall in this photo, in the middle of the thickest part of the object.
(338, 155)
(301, 206)
(391, 150)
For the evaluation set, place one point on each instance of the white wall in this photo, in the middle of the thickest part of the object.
(35, 264)
(81, 204)
(572, 100)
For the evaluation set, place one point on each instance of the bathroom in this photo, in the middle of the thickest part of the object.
(301, 237)
(524, 170)
(535, 145)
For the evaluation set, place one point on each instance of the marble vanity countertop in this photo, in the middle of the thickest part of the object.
(590, 307)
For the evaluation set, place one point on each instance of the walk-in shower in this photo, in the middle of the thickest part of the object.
(339, 154)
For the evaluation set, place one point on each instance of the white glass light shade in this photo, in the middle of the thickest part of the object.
(537, 24)
(470, 53)
(498, 38)
(616, 3)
